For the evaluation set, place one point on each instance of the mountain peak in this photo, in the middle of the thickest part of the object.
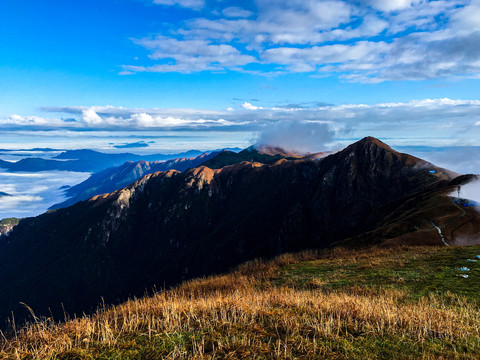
(372, 141)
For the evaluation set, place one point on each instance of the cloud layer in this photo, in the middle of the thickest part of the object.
(363, 40)
(34, 193)
(422, 122)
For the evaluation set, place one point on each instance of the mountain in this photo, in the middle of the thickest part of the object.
(115, 178)
(120, 158)
(171, 226)
(4, 194)
(39, 164)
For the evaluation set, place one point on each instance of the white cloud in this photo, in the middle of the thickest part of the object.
(90, 117)
(393, 5)
(356, 54)
(465, 19)
(425, 120)
(470, 191)
(17, 201)
(364, 40)
(248, 106)
(189, 55)
(298, 136)
(26, 120)
(33, 193)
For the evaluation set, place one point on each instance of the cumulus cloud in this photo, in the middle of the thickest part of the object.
(361, 41)
(247, 106)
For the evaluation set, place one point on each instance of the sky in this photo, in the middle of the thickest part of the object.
(206, 74)
(151, 76)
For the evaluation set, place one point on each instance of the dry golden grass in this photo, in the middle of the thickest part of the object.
(243, 315)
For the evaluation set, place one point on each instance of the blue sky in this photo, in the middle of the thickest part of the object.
(303, 73)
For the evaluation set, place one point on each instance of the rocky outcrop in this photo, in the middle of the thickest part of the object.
(7, 225)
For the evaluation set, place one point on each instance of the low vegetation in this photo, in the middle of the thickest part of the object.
(338, 304)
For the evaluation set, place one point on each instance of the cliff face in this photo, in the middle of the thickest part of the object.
(170, 226)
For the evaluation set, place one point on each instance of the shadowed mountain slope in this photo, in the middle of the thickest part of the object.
(171, 226)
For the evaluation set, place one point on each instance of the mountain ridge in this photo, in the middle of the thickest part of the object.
(170, 226)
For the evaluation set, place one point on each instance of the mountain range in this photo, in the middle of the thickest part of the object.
(88, 160)
(170, 226)
(115, 178)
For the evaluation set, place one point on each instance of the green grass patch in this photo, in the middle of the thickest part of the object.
(433, 271)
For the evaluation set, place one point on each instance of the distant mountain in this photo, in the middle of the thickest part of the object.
(171, 226)
(39, 164)
(33, 149)
(87, 161)
(95, 156)
(4, 194)
(115, 178)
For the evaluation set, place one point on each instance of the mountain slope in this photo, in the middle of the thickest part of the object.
(115, 178)
(171, 226)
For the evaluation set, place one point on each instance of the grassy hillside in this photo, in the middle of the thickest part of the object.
(339, 304)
